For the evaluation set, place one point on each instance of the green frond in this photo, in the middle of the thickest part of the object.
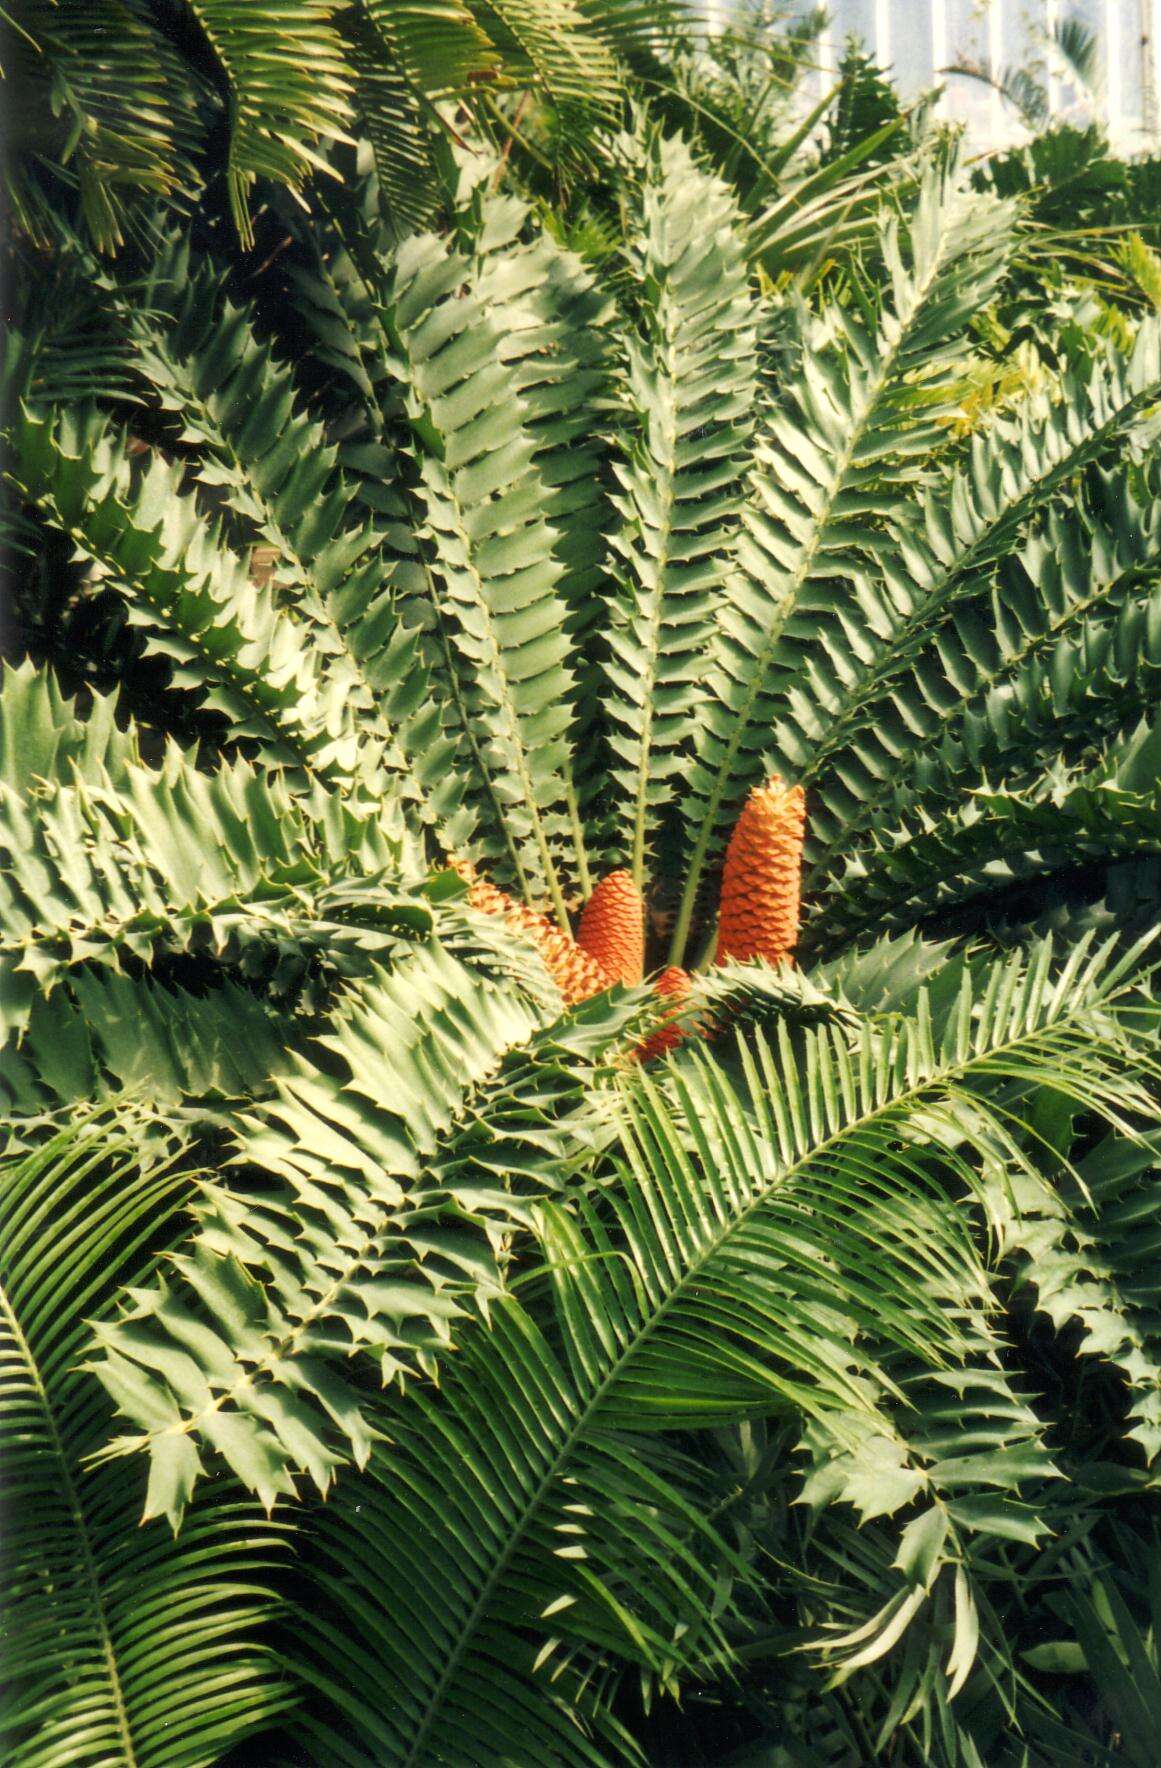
(837, 452)
(687, 402)
(166, 1058)
(796, 1247)
(227, 636)
(556, 327)
(121, 1647)
(487, 563)
(289, 91)
(1067, 653)
(389, 1170)
(139, 862)
(106, 102)
(272, 464)
(1084, 1244)
(995, 835)
(863, 694)
(557, 46)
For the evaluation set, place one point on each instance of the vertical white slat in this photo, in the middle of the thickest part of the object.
(1113, 86)
(938, 36)
(883, 33)
(1051, 20)
(1151, 70)
(995, 65)
(827, 58)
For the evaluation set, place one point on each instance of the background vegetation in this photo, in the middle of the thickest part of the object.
(449, 435)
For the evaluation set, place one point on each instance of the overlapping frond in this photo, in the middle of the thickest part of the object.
(859, 703)
(688, 398)
(995, 835)
(1085, 1244)
(121, 1645)
(272, 464)
(107, 866)
(289, 87)
(693, 1291)
(394, 1159)
(844, 440)
(558, 332)
(487, 560)
(105, 95)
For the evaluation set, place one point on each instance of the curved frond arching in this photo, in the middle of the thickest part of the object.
(289, 91)
(370, 1230)
(996, 835)
(846, 727)
(117, 1639)
(124, 864)
(789, 1248)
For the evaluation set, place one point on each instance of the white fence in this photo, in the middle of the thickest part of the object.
(917, 40)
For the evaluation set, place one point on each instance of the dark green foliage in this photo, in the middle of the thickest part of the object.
(810, 1378)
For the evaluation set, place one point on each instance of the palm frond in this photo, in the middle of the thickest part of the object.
(695, 1290)
(121, 1646)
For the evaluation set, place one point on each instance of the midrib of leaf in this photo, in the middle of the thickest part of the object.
(798, 581)
(940, 1076)
(244, 912)
(314, 607)
(286, 1344)
(242, 682)
(1123, 832)
(640, 811)
(68, 1486)
(468, 727)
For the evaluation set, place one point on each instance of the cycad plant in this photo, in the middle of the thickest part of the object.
(492, 1394)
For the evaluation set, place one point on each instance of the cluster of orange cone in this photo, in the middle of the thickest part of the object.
(758, 917)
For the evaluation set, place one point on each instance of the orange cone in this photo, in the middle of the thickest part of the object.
(612, 928)
(676, 984)
(761, 882)
(575, 972)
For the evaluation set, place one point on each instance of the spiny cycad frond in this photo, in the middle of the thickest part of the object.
(122, 1645)
(996, 835)
(861, 698)
(145, 535)
(487, 561)
(835, 451)
(689, 400)
(378, 1217)
(321, 673)
(1084, 1243)
(168, 1058)
(558, 332)
(1066, 651)
(114, 863)
(797, 1246)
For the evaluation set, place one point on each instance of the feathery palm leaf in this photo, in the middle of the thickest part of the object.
(122, 1646)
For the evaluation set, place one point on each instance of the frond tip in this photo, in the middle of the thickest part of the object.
(612, 928)
(761, 882)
